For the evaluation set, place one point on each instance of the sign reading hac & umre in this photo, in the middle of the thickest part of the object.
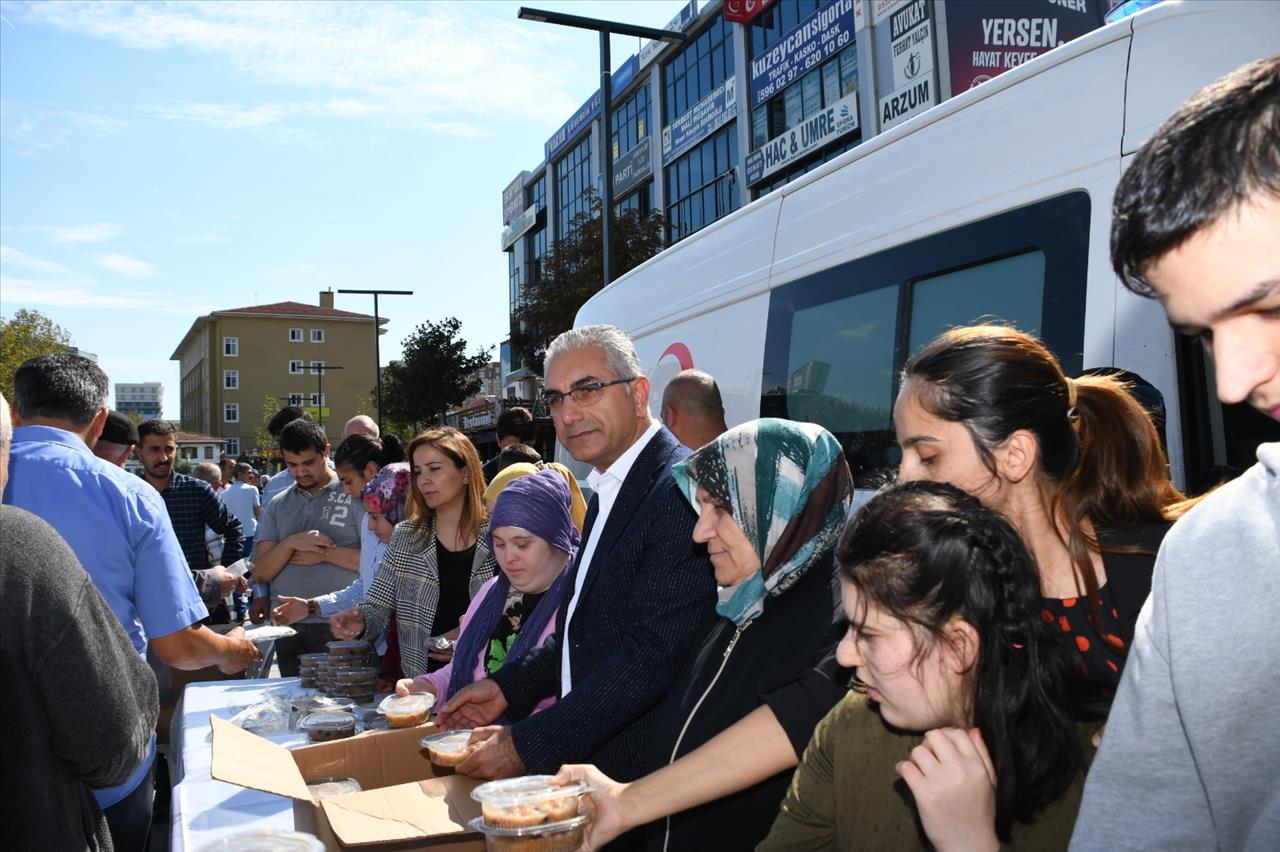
(806, 137)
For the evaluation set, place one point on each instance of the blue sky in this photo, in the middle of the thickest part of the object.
(159, 160)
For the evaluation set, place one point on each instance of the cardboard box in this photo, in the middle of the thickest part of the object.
(403, 806)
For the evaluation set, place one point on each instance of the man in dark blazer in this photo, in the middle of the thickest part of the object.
(641, 590)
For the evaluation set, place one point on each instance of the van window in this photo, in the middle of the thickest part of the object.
(1013, 285)
(837, 339)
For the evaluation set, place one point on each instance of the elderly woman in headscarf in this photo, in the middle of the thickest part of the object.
(772, 497)
(533, 537)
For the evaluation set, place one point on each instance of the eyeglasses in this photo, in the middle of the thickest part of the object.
(582, 395)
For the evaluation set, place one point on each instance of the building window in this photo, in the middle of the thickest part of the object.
(231, 379)
(695, 72)
(233, 446)
(317, 399)
(573, 179)
(806, 97)
(640, 201)
(779, 20)
(316, 367)
(700, 185)
(513, 281)
(231, 347)
(535, 246)
(295, 399)
(231, 412)
(188, 453)
(317, 335)
(630, 122)
(208, 452)
(295, 368)
(295, 335)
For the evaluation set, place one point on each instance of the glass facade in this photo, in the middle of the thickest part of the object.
(640, 200)
(705, 63)
(777, 21)
(630, 122)
(700, 185)
(573, 182)
(821, 87)
(536, 242)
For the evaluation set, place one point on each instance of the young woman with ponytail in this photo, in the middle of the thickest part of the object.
(1075, 465)
(962, 692)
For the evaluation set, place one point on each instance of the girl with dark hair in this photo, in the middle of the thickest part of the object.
(962, 692)
(1075, 465)
(437, 559)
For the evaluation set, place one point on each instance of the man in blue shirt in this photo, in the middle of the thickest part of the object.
(119, 529)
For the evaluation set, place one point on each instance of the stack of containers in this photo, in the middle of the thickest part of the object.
(346, 672)
(308, 669)
(530, 814)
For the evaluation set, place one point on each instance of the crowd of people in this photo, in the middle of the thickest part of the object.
(1032, 639)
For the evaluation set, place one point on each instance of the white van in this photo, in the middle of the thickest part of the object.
(995, 204)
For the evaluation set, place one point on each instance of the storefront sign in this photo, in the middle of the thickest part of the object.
(679, 23)
(911, 50)
(626, 72)
(744, 11)
(814, 40)
(881, 9)
(519, 226)
(513, 198)
(571, 128)
(806, 137)
(989, 37)
(475, 421)
(632, 167)
(700, 121)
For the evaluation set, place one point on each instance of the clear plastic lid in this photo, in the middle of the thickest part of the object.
(312, 659)
(527, 790)
(416, 702)
(479, 824)
(348, 646)
(327, 720)
(326, 788)
(355, 675)
(316, 703)
(265, 840)
(447, 741)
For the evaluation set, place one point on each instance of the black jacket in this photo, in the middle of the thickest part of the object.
(770, 660)
(647, 597)
(81, 702)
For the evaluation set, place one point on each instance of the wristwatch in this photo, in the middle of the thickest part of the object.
(313, 608)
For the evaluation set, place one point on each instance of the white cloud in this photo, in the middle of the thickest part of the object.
(27, 291)
(123, 264)
(202, 238)
(31, 131)
(10, 256)
(96, 233)
(442, 68)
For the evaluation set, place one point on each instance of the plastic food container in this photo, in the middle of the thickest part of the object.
(358, 676)
(327, 725)
(408, 710)
(348, 648)
(265, 840)
(563, 836)
(446, 750)
(326, 788)
(527, 802)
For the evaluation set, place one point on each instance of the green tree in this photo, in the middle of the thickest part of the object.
(434, 373)
(572, 272)
(262, 435)
(26, 335)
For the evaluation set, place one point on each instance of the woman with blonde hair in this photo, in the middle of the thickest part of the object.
(437, 559)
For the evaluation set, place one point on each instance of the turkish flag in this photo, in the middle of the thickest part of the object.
(744, 11)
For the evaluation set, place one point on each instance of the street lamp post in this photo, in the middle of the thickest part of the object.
(320, 370)
(606, 29)
(377, 349)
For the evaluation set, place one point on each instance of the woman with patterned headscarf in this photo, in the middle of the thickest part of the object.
(772, 497)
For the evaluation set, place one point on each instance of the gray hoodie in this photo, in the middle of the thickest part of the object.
(1191, 755)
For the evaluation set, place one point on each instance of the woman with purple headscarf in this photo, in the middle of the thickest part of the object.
(532, 535)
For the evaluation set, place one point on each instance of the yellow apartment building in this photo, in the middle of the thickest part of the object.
(232, 361)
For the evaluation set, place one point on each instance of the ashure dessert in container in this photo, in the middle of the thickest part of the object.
(564, 836)
(406, 711)
(325, 788)
(527, 802)
(446, 750)
(327, 725)
(348, 648)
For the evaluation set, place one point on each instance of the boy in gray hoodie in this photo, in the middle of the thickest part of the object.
(1191, 754)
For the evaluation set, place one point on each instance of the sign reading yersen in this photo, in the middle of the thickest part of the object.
(809, 135)
(989, 37)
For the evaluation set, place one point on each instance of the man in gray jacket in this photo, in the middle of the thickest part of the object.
(1190, 759)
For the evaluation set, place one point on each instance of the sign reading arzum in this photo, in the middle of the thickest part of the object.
(911, 49)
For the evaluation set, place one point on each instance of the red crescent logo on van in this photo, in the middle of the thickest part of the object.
(681, 353)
